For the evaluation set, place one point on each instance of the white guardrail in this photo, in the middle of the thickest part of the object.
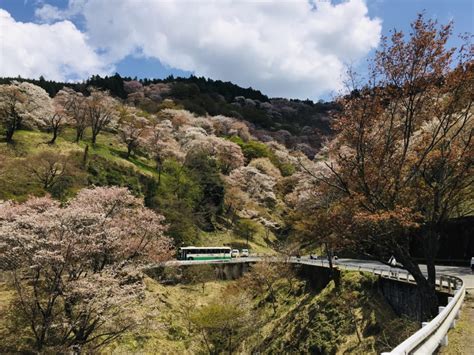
(432, 334)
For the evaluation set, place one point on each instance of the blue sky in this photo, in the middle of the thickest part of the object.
(284, 48)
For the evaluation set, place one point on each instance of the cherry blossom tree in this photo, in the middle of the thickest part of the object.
(227, 126)
(132, 127)
(74, 104)
(59, 115)
(161, 144)
(228, 154)
(73, 266)
(100, 110)
(23, 105)
(255, 183)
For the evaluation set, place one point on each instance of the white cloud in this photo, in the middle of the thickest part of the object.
(285, 48)
(58, 51)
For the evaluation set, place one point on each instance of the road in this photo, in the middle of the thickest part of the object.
(463, 273)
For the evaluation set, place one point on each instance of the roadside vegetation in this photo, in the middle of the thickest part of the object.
(243, 316)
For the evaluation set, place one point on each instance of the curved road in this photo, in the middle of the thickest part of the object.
(463, 273)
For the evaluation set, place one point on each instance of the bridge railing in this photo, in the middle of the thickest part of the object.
(432, 334)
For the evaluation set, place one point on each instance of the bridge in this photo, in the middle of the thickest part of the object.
(451, 279)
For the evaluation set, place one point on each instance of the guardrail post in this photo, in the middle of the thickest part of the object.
(453, 324)
(444, 341)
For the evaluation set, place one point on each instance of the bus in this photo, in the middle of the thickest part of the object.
(204, 253)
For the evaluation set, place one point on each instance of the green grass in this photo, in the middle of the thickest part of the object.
(16, 182)
(304, 321)
(258, 243)
(325, 322)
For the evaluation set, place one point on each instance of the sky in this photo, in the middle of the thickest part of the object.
(285, 48)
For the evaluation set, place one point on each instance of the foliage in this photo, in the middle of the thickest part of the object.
(103, 172)
(72, 265)
(401, 165)
(199, 274)
(23, 105)
(325, 322)
(252, 149)
(223, 323)
(205, 171)
(246, 228)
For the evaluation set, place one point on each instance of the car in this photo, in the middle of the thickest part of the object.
(234, 253)
(244, 253)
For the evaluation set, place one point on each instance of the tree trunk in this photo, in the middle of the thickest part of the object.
(329, 256)
(85, 156)
(159, 174)
(426, 291)
(431, 245)
(79, 134)
(55, 135)
(94, 137)
(9, 134)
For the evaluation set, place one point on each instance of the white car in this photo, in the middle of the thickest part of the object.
(234, 253)
(244, 253)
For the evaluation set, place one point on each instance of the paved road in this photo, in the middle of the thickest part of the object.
(463, 273)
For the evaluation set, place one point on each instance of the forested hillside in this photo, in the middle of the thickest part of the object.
(217, 179)
(100, 180)
(295, 123)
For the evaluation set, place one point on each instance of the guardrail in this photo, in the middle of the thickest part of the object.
(433, 333)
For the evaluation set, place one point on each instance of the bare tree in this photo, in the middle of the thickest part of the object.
(47, 167)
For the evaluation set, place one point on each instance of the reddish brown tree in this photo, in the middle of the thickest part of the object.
(401, 164)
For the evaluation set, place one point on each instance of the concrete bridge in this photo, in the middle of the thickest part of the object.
(398, 286)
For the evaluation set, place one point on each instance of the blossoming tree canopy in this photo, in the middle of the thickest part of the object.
(73, 265)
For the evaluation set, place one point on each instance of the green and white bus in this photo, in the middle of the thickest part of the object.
(204, 253)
